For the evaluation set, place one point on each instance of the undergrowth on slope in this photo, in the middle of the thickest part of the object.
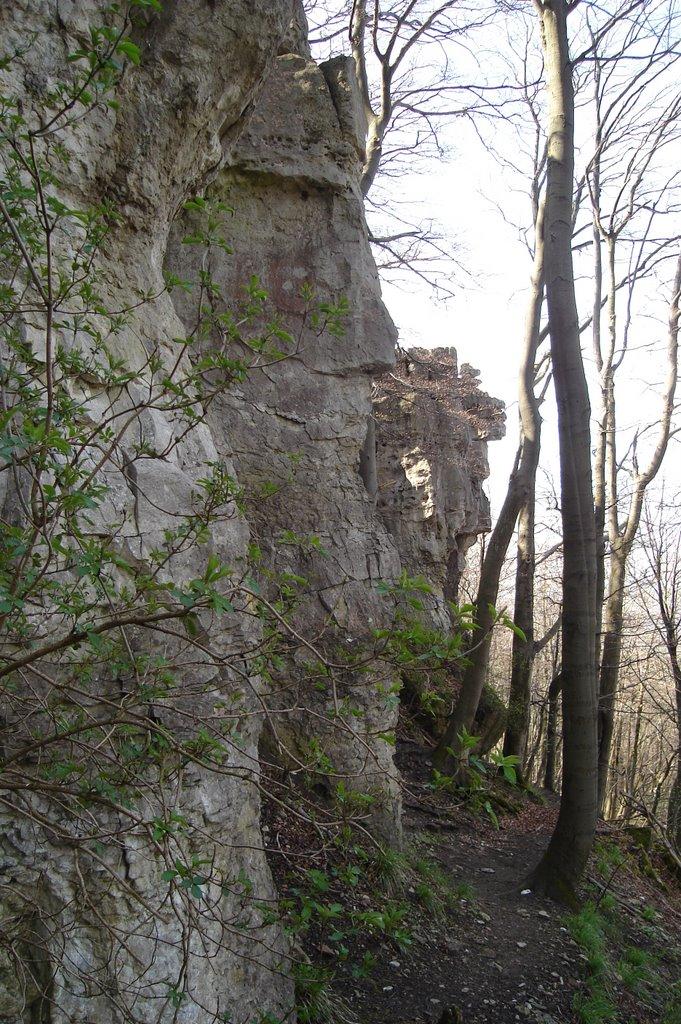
(587, 929)
(623, 975)
(358, 899)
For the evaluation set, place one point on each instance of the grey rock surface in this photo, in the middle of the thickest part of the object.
(382, 477)
(299, 425)
(432, 425)
(61, 916)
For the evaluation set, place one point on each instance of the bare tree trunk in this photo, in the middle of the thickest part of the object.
(552, 734)
(599, 460)
(599, 514)
(522, 658)
(484, 619)
(613, 620)
(520, 494)
(377, 120)
(538, 744)
(612, 797)
(632, 766)
(674, 809)
(563, 864)
(621, 540)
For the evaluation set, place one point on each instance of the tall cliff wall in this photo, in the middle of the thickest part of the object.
(298, 221)
(90, 932)
(350, 471)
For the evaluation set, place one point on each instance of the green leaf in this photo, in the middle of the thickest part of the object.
(130, 50)
(318, 879)
(489, 810)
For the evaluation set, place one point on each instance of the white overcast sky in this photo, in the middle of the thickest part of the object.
(484, 321)
(476, 199)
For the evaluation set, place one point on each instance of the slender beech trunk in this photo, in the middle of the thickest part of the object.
(613, 622)
(621, 540)
(632, 765)
(484, 618)
(674, 813)
(599, 459)
(552, 734)
(520, 494)
(563, 864)
(613, 795)
(522, 658)
(537, 745)
(674, 808)
(611, 609)
(377, 119)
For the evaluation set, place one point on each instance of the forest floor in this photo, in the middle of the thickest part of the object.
(448, 932)
(507, 955)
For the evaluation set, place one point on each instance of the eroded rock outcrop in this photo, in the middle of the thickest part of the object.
(432, 425)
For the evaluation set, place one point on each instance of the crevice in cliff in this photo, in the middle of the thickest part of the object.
(367, 460)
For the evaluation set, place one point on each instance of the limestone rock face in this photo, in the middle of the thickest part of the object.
(432, 425)
(177, 115)
(298, 221)
(342, 490)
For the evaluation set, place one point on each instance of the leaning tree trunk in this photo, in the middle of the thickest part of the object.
(564, 862)
(674, 808)
(520, 494)
(611, 655)
(599, 457)
(537, 748)
(522, 658)
(612, 796)
(475, 674)
(632, 766)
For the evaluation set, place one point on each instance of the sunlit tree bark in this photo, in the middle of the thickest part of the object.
(563, 864)
(515, 740)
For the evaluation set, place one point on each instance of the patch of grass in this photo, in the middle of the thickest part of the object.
(609, 857)
(411, 872)
(637, 957)
(434, 888)
(634, 970)
(598, 935)
(316, 1002)
(672, 1010)
(427, 897)
(464, 891)
(608, 902)
(595, 1007)
(588, 930)
(391, 870)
